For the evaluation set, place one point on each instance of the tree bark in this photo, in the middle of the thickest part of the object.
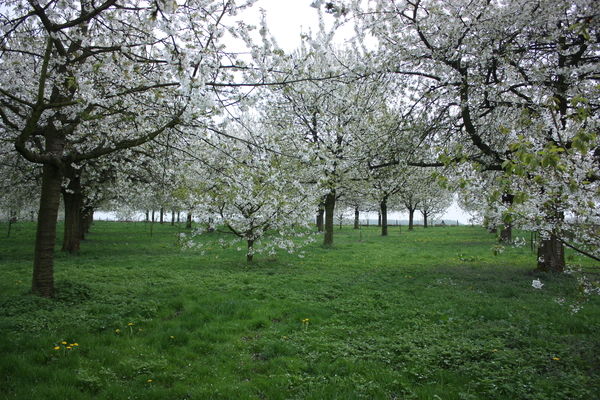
(45, 239)
(425, 215)
(329, 210)
(551, 255)
(73, 200)
(383, 214)
(162, 216)
(188, 224)
(356, 218)
(250, 253)
(321, 218)
(87, 219)
(411, 218)
(506, 234)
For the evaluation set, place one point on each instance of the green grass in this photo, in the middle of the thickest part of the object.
(416, 315)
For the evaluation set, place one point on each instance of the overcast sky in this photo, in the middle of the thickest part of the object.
(287, 19)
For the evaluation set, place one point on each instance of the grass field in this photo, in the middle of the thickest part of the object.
(428, 314)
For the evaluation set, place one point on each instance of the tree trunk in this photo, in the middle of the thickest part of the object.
(188, 224)
(383, 214)
(506, 234)
(425, 215)
(10, 222)
(329, 210)
(45, 238)
(321, 218)
(250, 253)
(162, 216)
(379, 218)
(172, 217)
(153, 216)
(356, 218)
(87, 219)
(411, 218)
(73, 200)
(551, 255)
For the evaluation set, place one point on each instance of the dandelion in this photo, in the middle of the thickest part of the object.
(63, 342)
(172, 337)
(117, 330)
(305, 323)
(129, 324)
(57, 348)
(556, 358)
(149, 380)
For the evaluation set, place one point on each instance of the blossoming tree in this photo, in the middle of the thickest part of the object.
(80, 80)
(505, 86)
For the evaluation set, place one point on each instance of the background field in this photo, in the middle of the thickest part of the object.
(426, 314)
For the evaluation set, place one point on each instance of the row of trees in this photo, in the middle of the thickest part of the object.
(140, 103)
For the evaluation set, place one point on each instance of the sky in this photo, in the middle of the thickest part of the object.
(287, 19)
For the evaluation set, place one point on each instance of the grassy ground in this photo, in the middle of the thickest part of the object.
(429, 314)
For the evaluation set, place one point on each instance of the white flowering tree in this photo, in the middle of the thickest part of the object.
(506, 86)
(326, 117)
(80, 80)
(249, 191)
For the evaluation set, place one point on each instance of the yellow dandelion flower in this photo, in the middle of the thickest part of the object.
(117, 330)
(75, 344)
(68, 347)
(149, 380)
(172, 337)
(64, 343)
(556, 358)
(57, 348)
(131, 323)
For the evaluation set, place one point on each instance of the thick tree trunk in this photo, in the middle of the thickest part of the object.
(73, 200)
(45, 239)
(425, 215)
(356, 218)
(162, 215)
(551, 255)
(506, 234)
(384, 224)
(172, 217)
(411, 218)
(188, 223)
(87, 219)
(329, 210)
